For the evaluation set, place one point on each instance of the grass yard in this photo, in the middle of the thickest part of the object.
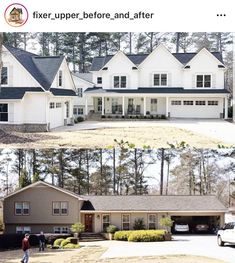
(93, 254)
(155, 137)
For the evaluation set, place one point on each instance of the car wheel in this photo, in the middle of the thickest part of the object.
(220, 241)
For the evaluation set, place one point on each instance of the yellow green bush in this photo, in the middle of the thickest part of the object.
(71, 246)
(140, 235)
(64, 243)
(58, 242)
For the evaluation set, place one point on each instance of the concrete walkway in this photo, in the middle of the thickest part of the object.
(217, 129)
(198, 245)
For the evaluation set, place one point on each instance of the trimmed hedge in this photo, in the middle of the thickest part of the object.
(140, 235)
(58, 242)
(71, 246)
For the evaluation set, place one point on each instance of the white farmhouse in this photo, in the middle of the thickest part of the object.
(159, 84)
(37, 93)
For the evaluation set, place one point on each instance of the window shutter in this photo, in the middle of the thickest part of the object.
(11, 112)
(169, 79)
(213, 81)
(194, 81)
(10, 76)
(151, 80)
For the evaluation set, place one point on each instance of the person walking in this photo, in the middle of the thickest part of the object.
(25, 248)
(42, 241)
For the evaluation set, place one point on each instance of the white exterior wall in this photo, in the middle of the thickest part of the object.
(204, 63)
(119, 65)
(18, 76)
(160, 61)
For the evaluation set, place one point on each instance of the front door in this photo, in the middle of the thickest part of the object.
(99, 105)
(153, 106)
(88, 222)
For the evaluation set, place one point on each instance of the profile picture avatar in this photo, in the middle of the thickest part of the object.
(16, 15)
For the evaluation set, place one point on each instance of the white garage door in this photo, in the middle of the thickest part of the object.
(56, 116)
(195, 109)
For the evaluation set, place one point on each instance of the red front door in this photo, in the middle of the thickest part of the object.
(88, 222)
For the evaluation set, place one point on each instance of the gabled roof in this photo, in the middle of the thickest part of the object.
(150, 90)
(153, 203)
(45, 184)
(62, 92)
(8, 93)
(43, 69)
(84, 76)
(184, 58)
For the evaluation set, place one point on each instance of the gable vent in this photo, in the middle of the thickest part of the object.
(221, 66)
(134, 68)
(187, 67)
(106, 68)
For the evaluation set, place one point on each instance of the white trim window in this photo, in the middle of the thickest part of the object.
(119, 81)
(52, 105)
(22, 208)
(4, 76)
(213, 102)
(105, 221)
(99, 80)
(61, 229)
(60, 208)
(159, 79)
(152, 221)
(125, 221)
(203, 81)
(188, 102)
(200, 102)
(3, 112)
(176, 102)
(60, 78)
(78, 111)
(79, 92)
(23, 230)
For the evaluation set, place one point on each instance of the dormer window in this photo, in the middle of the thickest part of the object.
(160, 79)
(119, 81)
(203, 81)
(4, 76)
(60, 78)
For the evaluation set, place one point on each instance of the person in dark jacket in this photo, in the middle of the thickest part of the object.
(42, 241)
(25, 248)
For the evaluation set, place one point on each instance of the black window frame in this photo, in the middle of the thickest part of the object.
(4, 70)
(4, 112)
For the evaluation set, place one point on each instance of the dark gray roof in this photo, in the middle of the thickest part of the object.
(16, 93)
(84, 76)
(62, 92)
(99, 62)
(43, 69)
(153, 203)
(157, 90)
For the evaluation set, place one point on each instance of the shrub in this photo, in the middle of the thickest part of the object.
(102, 116)
(122, 235)
(58, 242)
(166, 222)
(146, 236)
(64, 243)
(163, 117)
(77, 228)
(230, 112)
(111, 229)
(139, 224)
(80, 119)
(71, 246)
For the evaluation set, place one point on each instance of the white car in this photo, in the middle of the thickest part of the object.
(226, 234)
(181, 227)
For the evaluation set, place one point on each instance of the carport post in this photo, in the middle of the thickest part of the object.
(226, 108)
(102, 105)
(167, 108)
(144, 106)
(86, 107)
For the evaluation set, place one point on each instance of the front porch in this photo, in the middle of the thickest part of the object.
(129, 107)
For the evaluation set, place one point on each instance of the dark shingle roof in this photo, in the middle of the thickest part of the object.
(184, 58)
(16, 93)
(62, 92)
(43, 69)
(84, 76)
(157, 90)
(153, 203)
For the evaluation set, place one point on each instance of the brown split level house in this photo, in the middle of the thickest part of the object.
(41, 206)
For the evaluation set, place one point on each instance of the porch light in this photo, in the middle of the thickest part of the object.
(98, 216)
(142, 99)
(107, 99)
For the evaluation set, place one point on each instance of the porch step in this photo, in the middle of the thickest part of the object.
(91, 237)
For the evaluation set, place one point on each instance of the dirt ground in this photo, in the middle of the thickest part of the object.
(93, 254)
(154, 137)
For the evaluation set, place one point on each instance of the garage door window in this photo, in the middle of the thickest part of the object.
(203, 81)
(58, 105)
(176, 102)
(52, 105)
(200, 102)
(3, 112)
(213, 102)
(188, 102)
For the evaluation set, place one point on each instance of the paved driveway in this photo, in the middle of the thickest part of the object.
(217, 129)
(199, 245)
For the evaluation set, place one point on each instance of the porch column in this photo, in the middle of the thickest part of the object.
(102, 105)
(226, 108)
(123, 106)
(86, 106)
(167, 108)
(144, 106)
